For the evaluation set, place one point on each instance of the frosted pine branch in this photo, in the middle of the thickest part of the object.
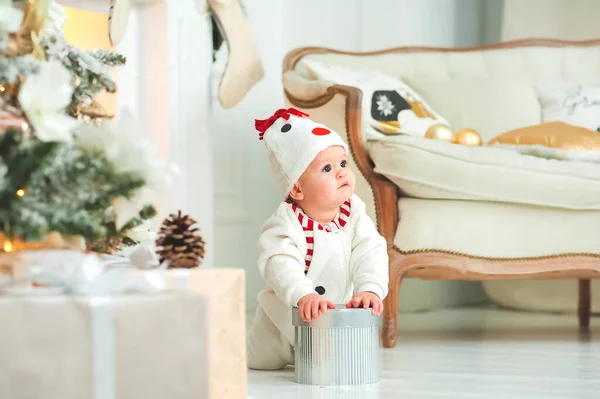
(109, 58)
(68, 189)
(12, 67)
(92, 68)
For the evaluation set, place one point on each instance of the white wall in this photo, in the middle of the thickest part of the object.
(245, 194)
(552, 19)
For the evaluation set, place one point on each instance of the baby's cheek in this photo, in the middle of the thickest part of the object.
(328, 186)
(311, 181)
(351, 178)
(326, 189)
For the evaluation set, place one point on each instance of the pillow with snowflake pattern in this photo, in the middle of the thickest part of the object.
(389, 105)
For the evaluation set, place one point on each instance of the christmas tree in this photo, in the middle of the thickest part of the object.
(64, 167)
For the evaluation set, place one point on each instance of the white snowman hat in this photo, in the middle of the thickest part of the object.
(292, 142)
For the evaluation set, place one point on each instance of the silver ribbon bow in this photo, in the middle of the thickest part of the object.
(71, 272)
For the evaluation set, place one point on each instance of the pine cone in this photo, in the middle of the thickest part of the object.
(178, 242)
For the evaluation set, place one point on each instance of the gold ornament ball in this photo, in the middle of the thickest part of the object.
(468, 137)
(439, 132)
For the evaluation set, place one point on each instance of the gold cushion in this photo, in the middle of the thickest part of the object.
(554, 135)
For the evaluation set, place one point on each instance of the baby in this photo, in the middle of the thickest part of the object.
(319, 248)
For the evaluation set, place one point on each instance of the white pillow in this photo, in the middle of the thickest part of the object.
(388, 104)
(572, 103)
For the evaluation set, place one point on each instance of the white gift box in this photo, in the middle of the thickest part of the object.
(183, 343)
(225, 293)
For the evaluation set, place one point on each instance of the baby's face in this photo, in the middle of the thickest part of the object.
(328, 181)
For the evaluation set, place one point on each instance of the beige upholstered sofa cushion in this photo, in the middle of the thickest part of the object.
(458, 84)
(493, 229)
(425, 168)
(490, 105)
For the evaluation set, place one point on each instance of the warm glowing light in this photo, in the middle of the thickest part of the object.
(2, 88)
(8, 246)
(24, 126)
(21, 192)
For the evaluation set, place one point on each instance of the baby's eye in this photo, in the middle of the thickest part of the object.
(327, 168)
(343, 164)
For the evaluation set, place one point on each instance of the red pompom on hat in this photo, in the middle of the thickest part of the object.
(264, 124)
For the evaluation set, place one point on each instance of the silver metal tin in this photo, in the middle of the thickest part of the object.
(340, 348)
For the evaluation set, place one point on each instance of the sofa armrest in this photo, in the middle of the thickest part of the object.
(339, 107)
(302, 88)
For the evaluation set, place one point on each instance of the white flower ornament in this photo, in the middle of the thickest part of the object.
(44, 98)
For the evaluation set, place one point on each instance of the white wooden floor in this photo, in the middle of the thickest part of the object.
(470, 353)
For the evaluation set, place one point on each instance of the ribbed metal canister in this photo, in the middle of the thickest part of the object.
(340, 348)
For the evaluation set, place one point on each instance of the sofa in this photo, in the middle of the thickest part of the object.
(452, 212)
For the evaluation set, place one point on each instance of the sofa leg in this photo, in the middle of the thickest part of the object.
(389, 333)
(585, 299)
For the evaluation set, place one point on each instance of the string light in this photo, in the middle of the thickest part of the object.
(24, 126)
(8, 246)
(2, 88)
(21, 192)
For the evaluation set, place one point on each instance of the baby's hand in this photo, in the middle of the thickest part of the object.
(366, 299)
(312, 306)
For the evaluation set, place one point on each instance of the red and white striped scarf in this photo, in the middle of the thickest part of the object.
(309, 226)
